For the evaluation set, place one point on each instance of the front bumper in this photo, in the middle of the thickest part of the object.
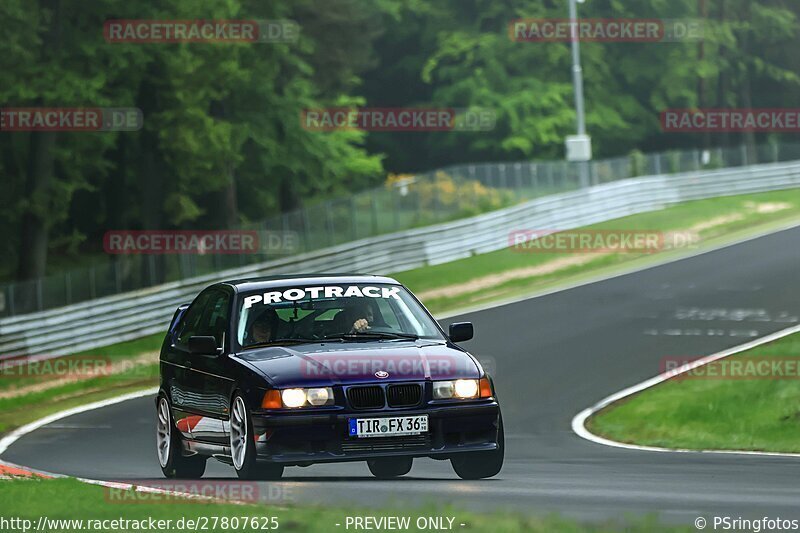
(305, 438)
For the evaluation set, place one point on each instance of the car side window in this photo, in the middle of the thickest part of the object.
(215, 318)
(389, 315)
(191, 321)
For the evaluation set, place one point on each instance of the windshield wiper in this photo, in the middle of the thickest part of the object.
(372, 335)
(280, 341)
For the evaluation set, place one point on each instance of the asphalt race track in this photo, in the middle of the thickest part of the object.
(554, 356)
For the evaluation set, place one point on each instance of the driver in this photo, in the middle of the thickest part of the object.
(264, 327)
(362, 316)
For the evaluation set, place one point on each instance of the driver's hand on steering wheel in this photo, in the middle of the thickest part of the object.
(360, 325)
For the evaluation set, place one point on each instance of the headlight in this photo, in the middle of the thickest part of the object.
(315, 397)
(443, 389)
(462, 388)
(319, 397)
(466, 388)
(294, 397)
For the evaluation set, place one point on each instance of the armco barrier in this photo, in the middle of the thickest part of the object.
(127, 316)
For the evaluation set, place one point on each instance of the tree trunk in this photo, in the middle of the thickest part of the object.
(228, 214)
(35, 231)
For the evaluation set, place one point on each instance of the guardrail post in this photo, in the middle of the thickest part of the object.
(92, 283)
(306, 230)
(373, 204)
(117, 281)
(395, 209)
(39, 299)
(11, 307)
(329, 224)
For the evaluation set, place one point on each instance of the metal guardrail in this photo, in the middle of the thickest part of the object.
(403, 203)
(127, 316)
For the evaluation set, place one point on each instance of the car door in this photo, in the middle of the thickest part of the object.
(210, 384)
(177, 379)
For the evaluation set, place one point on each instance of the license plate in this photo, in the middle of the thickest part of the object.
(388, 426)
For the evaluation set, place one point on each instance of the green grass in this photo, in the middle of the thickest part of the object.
(19, 410)
(68, 499)
(705, 412)
(678, 217)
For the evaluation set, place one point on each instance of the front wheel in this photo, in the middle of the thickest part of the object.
(170, 450)
(480, 465)
(243, 446)
(390, 467)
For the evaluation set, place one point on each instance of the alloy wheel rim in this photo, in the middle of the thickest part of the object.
(163, 432)
(238, 433)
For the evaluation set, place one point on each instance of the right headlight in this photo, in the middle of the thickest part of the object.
(463, 389)
(314, 397)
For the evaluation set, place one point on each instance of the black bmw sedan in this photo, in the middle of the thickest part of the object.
(272, 372)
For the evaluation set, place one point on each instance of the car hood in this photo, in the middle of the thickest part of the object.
(322, 364)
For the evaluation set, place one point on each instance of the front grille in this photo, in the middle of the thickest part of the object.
(403, 395)
(387, 444)
(366, 397)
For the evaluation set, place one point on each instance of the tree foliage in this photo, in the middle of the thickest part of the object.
(222, 142)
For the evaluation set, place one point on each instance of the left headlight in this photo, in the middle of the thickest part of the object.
(462, 389)
(314, 397)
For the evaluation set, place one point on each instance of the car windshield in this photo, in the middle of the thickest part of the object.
(347, 312)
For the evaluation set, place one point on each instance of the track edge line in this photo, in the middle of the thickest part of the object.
(579, 420)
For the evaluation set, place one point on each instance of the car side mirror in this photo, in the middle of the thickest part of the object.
(202, 345)
(461, 331)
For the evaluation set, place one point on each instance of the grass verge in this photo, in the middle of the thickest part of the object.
(507, 273)
(33, 391)
(68, 500)
(741, 402)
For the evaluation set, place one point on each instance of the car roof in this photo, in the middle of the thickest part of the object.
(287, 280)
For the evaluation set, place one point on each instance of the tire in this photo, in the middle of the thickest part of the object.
(169, 447)
(480, 465)
(390, 467)
(243, 446)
